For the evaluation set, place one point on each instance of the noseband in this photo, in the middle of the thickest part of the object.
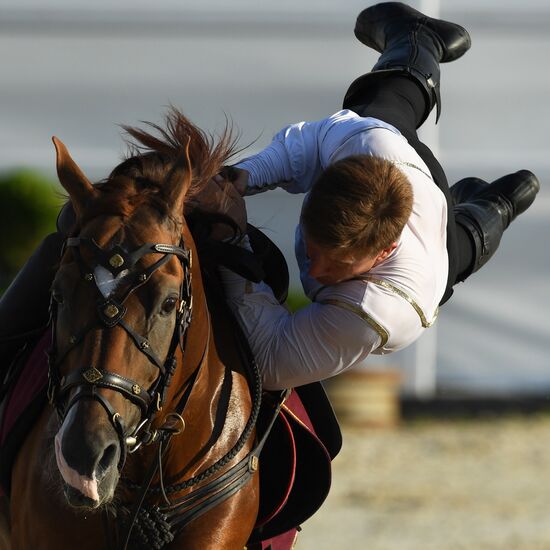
(110, 313)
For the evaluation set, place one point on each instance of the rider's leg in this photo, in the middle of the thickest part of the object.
(401, 89)
(25, 304)
(412, 45)
(489, 210)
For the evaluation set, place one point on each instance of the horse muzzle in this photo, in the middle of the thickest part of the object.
(87, 455)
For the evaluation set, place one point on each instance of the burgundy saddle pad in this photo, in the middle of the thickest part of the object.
(22, 404)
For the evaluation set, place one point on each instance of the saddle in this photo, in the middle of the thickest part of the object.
(295, 464)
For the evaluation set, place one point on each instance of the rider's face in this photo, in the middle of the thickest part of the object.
(330, 267)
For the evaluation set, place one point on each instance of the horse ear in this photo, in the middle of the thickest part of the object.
(178, 182)
(72, 179)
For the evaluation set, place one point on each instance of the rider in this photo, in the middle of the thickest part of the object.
(382, 239)
(374, 290)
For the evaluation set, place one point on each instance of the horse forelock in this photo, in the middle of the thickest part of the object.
(128, 196)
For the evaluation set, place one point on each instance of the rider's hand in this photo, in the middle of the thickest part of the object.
(220, 196)
(237, 176)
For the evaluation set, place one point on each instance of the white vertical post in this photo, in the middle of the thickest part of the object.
(422, 357)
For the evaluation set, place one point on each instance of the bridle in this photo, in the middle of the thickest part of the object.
(111, 311)
(173, 515)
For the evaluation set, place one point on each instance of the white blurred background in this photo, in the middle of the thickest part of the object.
(75, 69)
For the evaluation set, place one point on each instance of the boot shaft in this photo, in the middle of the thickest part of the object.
(410, 43)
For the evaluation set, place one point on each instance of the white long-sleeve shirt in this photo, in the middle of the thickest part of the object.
(385, 310)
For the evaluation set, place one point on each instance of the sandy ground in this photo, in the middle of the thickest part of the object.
(439, 485)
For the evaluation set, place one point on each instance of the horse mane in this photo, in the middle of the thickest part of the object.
(207, 153)
(151, 157)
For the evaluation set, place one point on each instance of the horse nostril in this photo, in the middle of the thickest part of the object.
(108, 458)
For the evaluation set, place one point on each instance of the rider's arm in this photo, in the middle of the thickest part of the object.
(292, 349)
(291, 161)
(299, 152)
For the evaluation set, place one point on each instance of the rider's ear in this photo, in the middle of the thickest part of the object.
(386, 252)
(72, 179)
(178, 181)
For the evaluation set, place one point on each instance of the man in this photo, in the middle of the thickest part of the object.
(382, 240)
(377, 259)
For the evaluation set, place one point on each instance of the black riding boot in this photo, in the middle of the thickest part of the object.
(411, 43)
(490, 208)
(466, 189)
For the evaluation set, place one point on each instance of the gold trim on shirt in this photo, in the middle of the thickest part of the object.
(411, 165)
(382, 332)
(403, 294)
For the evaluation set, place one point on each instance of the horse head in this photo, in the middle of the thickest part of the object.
(121, 301)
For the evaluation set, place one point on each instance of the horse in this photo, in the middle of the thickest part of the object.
(149, 438)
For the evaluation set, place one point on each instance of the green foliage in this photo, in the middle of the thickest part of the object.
(296, 300)
(29, 204)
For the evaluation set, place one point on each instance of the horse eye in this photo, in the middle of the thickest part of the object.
(169, 304)
(57, 296)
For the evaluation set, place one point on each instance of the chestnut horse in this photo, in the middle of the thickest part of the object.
(150, 439)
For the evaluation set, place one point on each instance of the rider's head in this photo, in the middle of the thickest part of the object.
(354, 215)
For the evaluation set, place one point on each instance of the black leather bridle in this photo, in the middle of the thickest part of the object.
(110, 313)
(213, 487)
